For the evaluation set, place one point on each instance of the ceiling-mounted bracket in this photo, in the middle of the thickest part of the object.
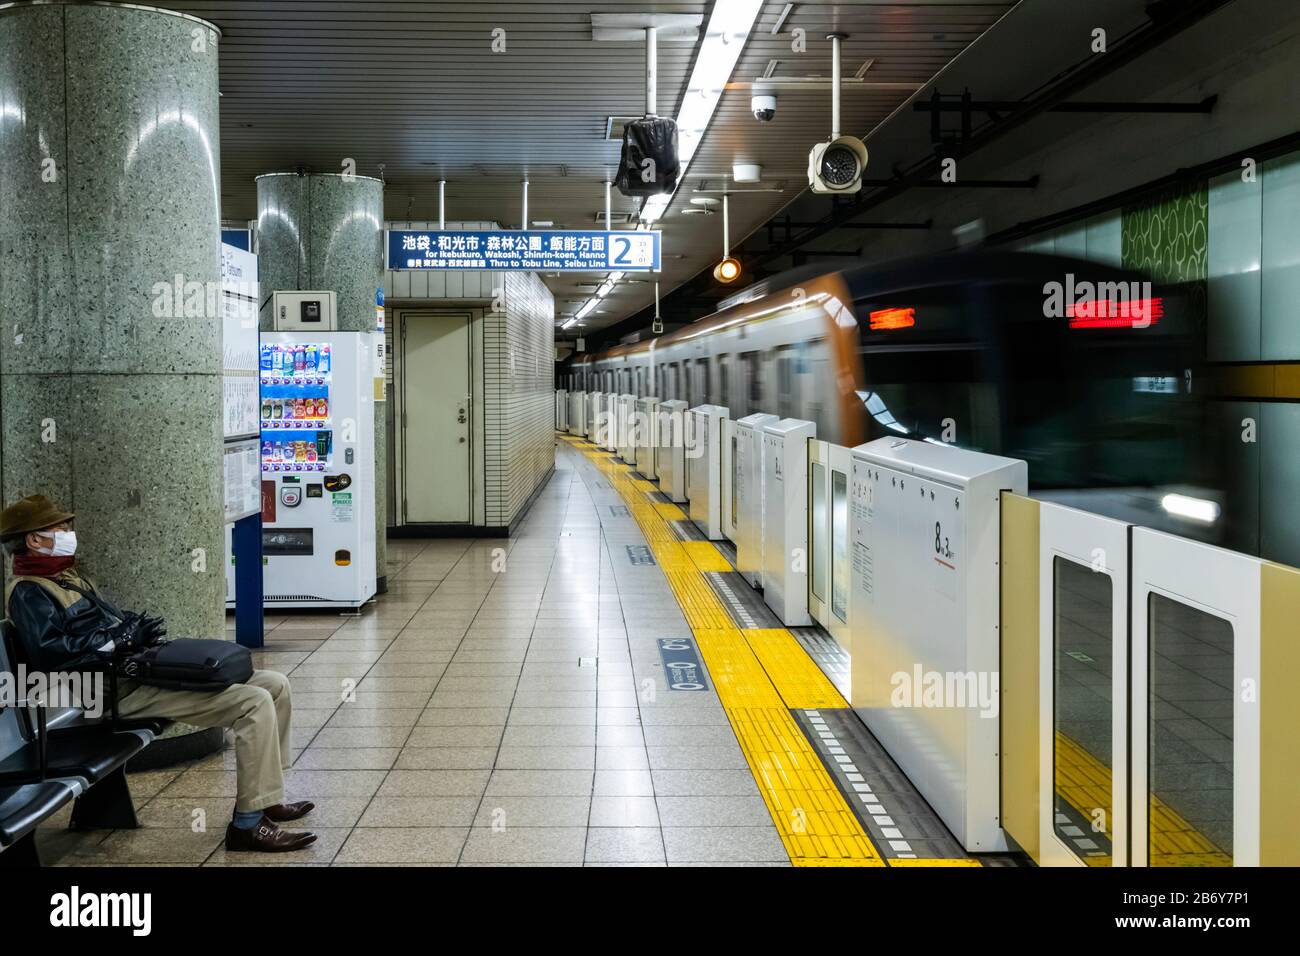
(670, 27)
(963, 103)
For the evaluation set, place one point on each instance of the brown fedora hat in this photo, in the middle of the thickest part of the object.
(33, 513)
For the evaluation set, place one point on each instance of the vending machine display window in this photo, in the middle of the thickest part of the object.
(296, 412)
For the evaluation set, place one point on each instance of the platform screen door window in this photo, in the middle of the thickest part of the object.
(735, 483)
(1082, 608)
(820, 527)
(840, 545)
(1190, 700)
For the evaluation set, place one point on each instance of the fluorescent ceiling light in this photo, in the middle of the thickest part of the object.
(567, 323)
(605, 289)
(586, 308)
(724, 38)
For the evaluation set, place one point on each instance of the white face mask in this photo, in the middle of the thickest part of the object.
(65, 544)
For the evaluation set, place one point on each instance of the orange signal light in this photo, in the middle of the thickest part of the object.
(728, 270)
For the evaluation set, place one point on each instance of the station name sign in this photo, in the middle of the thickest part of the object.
(524, 250)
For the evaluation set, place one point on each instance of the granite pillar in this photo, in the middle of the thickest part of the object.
(325, 232)
(110, 351)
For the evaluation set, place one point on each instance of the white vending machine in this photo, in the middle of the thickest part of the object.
(318, 468)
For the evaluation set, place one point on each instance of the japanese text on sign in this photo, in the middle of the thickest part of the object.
(596, 251)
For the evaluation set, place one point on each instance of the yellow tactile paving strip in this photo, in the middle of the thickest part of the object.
(1084, 783)
(760, 675)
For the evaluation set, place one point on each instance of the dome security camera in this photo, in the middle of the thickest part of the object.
(763, 106)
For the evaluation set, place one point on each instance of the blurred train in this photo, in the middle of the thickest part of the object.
(1084, 370)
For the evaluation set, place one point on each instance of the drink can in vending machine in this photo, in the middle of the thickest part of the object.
(322, 445)
(323, 360)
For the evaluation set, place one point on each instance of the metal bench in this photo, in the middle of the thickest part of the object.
(42, 767)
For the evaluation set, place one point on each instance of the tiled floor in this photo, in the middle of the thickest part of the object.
(505, 706)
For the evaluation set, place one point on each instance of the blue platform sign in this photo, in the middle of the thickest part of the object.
(524, 251)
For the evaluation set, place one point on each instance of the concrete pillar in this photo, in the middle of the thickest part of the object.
(110, 352)
(326, 232)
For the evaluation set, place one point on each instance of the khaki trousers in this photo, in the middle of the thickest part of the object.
(258, 712)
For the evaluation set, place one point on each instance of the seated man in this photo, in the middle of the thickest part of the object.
(63, 624)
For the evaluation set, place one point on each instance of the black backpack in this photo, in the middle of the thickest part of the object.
(651, 138)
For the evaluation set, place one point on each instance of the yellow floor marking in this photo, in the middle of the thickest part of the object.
(801, 683)
(669, 511)
(1084, 783)
(812, 817)
(705, 556)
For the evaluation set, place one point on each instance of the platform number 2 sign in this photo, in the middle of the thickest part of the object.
(633, 251)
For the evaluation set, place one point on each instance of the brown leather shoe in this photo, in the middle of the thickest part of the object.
(266, 837)
(284, 812)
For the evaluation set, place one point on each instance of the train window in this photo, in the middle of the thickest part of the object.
(703, 382)
(659, 381)
(786, 401)
(753, 375)
(1081, 710)
(724, 380)
(640, 382)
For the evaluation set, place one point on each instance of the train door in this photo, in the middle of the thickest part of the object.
(787, 401)
(751, 386)
(702, 384)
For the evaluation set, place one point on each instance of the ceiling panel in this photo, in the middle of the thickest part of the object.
(415, 88)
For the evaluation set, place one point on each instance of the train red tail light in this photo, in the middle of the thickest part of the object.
(892, 319)
(1115, 314)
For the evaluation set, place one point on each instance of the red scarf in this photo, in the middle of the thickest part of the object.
(42, 565)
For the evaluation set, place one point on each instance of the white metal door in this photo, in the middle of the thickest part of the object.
(1196, 654)
(436, 427)
(1083, 688)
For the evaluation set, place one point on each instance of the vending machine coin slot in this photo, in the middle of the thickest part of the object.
(343, 558)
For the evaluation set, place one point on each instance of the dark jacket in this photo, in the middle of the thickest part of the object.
(58, 628)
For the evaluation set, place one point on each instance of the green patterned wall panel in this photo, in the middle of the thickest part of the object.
(1168, 237)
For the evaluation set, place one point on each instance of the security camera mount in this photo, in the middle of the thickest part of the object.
(836, 167)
